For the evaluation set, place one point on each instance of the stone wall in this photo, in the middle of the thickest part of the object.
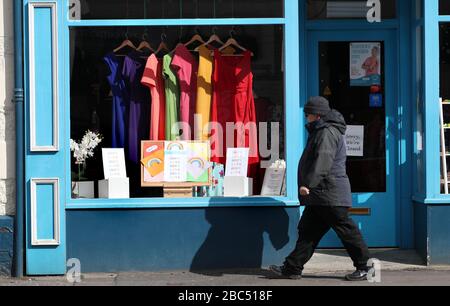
(7, 114)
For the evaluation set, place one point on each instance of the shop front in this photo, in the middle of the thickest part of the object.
(165, 135)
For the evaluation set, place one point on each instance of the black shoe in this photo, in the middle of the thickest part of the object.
(282, 272)
(357, 276)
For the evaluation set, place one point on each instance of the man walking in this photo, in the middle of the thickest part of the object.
(325, 191)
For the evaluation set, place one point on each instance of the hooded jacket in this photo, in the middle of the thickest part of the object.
(322, 168)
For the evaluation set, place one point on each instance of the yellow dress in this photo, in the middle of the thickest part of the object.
(204, 93)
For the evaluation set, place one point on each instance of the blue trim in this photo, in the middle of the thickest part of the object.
(292, 110)
(405, 208)
(444, 18)
(432, 80)
(443, 200)
(43, 57)
(20, 140)
(180, 203)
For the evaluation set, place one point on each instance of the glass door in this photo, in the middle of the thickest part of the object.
(356, 71)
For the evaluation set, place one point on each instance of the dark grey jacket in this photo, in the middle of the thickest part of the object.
(322, 167)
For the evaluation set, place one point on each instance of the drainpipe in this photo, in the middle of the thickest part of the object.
(20, 153)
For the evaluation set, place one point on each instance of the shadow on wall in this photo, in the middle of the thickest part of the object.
(7, 108)
(236, 240)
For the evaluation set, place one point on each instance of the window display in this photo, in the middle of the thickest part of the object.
(176, 109)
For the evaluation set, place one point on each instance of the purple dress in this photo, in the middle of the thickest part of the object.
(139, 109)
(120, 101)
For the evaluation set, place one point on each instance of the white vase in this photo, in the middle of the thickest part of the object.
(83, 190)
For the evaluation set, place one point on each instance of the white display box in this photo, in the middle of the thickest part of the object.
(238, 186)
(83, 190)
(114, 188)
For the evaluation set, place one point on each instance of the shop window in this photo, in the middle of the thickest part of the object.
(444, 7)
(111, 95)
(347, 9)
(174, 9)
(445, 95)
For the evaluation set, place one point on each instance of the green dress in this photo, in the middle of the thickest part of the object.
(172, 98)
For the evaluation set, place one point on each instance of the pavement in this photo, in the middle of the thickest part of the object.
(327, 268)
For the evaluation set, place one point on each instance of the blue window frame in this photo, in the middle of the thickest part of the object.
(427, 42)
(293, 93)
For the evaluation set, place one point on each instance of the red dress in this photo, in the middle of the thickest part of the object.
(233, 103)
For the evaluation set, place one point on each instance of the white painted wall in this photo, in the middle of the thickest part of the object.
(7, 116)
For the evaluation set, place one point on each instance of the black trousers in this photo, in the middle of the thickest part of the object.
(314, 224)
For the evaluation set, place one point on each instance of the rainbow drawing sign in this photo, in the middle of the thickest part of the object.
(176, 161)
(198, 162)
(153, 161)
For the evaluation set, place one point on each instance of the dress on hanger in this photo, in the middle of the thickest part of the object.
(204, 93)
(186, 67)
(153, 78)
(172, 98)
(233, 102)
(120, 101)
(139, 114)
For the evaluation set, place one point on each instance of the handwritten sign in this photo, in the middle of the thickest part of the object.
(354, 138)
(114, 163)
(175, 162)
(237, 162)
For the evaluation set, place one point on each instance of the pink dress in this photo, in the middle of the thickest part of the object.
(153, 79)
(186, 68)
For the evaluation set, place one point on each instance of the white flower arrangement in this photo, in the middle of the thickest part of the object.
(82, 151)
(85, 149)
(279, 164)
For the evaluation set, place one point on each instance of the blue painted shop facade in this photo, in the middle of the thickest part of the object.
(397, 195)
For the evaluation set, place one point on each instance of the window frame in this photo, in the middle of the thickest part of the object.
(293, 119)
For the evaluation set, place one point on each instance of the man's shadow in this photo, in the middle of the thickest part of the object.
(236, 242)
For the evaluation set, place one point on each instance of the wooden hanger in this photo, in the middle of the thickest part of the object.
(125, 43)
(231, 42)
(145, 45)
(195, 38)
(214, 38)
(162, 45)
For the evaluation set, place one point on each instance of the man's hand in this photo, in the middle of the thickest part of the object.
(304, 191)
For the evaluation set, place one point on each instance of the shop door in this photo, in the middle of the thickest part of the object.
(370, 111)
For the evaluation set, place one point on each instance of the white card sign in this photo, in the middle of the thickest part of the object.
(114, 163)
(175, 162)
(237, 162)
(273, 182)
(354, 139)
